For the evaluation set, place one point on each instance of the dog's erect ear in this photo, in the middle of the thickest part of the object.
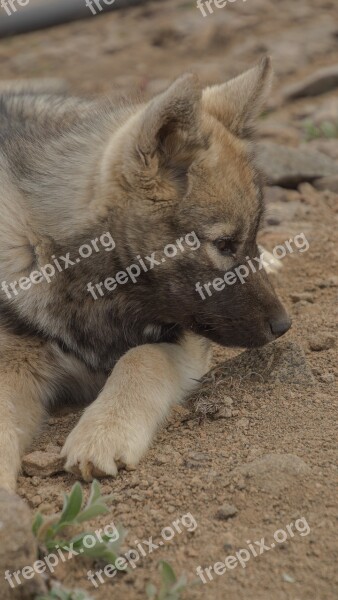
(169, 124)
(238, 102)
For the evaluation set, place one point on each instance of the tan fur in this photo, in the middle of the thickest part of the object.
(118, 428)
(147, 174)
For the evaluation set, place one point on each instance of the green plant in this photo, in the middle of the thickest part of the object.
(49, 530)
(59, 593)
(327, 129)
(171, 587)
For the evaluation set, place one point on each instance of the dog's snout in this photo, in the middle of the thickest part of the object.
(279, 326)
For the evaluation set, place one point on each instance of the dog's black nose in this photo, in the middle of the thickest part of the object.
(280, 326)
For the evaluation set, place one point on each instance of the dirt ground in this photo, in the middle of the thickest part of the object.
(202, 465)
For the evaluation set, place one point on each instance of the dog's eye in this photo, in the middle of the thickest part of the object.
(226, 246)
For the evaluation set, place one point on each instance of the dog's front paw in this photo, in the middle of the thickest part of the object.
(98, 447)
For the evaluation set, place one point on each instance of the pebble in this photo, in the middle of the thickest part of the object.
(320, 82)
(275, 194)
(327, 183)
(244, 422)
(197, 460)
(226, 512)
(223, 413)
(36, 500)
(331, 281)
(43, 464)
(288, 167)
(228, 401)
(286, 359)
(274, 472)
(327, 378)
(304, 296)
(320, 342)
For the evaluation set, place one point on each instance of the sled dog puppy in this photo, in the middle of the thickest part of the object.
(131, 178)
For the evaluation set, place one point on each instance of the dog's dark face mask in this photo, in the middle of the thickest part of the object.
(195, 175)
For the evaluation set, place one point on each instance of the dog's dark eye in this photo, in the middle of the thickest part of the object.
(226, 246)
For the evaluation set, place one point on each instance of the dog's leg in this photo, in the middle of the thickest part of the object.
(28, 376)
(118, 427)
(21, 414)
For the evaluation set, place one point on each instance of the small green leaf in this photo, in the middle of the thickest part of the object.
(72, 507)
(167, 573)
(151, 591)
(38, 520)
(91, 512)
(95, 492)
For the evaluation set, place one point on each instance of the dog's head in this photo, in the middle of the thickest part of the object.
(187, 166)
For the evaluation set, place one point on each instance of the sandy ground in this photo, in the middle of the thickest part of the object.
(196, 465)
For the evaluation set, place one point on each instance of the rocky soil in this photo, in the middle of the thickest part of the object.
(256, 449)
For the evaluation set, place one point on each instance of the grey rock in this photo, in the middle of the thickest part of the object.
(226, 512)
(223, 413)
(279, 362)
(303, 296)
(322, 81)
(327, 183)
(327, 378)
(288, 167)
(328, 147)
(197, 460)
(331, 281)
(18, 548)
(274, 472)
(325, 117)
(42, 464)
(320, 342)
(275, 194)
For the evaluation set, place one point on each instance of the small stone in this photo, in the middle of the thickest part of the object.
(325, 146)
(226, 512)
(244, 422)
(36, 500)
(162, 459)
(273, 220)
(196, 481)
(52, 448)
(172, 457)
(228, 401)
(289, 167)
(320, 82)
(229, 542)
(191, 552)
(43, 464)
(254, 453)
(327, 378)
(223, 413)
(275, 194)
(288, 578)
(282, 361)
(197, 460)
(305, 296)
(327, 183)
(331, 281)
(274, 472)
(320, 342)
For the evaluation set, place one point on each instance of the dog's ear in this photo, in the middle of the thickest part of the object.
(238, 102)
(169, 125)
